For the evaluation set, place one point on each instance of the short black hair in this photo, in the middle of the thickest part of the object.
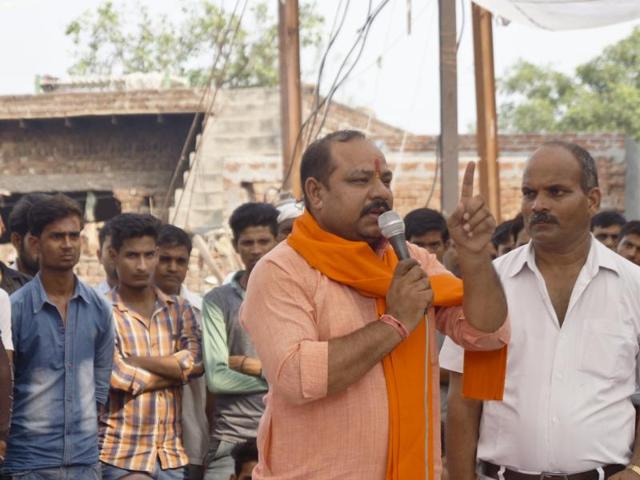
(254, 214)
(517, 224)
(589, 177)
(244, 452)
(49, 209)
(502, 233)
(630, 228)
(316, 159)
(172, 236)
(103, 233)
(607, 218)
(19, 216)
(422, 220)
(132, 225)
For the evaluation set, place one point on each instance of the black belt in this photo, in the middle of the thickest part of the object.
(491, 470)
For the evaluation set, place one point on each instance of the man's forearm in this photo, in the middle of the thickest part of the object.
(6, 391)
(484, 303)
(635, 457)
(352, 356)
(158, 383)
(167, 366)
(462, 430)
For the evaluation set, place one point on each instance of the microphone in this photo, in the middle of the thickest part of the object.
(392, 227)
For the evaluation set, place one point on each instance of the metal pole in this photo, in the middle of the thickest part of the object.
(448, 107)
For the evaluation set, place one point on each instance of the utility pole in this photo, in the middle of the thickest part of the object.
(290, 95)
(487, 123)
(448, 145)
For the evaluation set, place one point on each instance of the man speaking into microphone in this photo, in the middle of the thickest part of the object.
(339, 325)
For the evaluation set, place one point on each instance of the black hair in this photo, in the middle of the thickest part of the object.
(103, 233)
(244, 453)
(423, 220)
(132, 225)
(607, 218)
(630, 228)
(589, 177)
(172, 236)
(502, 233)
(517, 224)
(19, 216)
(254, 214)
(316, 159)
(49, 209)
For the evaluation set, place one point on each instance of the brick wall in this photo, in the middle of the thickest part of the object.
(414, 164)
(135, 158)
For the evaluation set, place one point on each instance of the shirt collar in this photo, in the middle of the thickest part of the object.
(599, 257)
(161, 297)
(235, 283)
(40, 297)
(9, 272)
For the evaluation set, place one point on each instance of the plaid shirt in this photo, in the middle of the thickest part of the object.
(139, 426)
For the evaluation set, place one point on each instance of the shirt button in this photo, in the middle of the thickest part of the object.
(555, 420)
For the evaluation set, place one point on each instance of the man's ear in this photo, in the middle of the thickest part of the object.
(314, 191)
(34, 243)
(594, 196)
(16, 240)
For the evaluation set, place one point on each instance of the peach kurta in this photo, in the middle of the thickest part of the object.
(291, 311)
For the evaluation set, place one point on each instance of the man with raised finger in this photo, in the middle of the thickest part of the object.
(339, 325)
(574, 307)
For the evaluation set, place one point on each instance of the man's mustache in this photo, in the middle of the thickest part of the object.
(542, 217)
(375, 205)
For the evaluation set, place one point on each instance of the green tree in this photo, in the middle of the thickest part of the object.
(602, 95)
(112, 40)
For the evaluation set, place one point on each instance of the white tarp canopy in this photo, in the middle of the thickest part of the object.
(564, 14)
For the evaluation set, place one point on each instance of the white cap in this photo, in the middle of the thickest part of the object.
(288, 210)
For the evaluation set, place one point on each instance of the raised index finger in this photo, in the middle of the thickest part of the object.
(467, 182)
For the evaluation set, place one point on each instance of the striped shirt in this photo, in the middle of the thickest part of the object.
(140, 425)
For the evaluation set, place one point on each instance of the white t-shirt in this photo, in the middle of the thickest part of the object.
(5, 320)
(567, 401)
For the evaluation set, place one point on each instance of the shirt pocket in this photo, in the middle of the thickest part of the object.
(609, 354)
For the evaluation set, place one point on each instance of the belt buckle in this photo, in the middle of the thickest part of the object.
(554, 476)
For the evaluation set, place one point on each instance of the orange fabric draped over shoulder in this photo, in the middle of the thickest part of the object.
(356, 265)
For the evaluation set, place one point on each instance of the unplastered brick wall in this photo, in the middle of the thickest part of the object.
(135, 155)
(413, 160)
(416, 184)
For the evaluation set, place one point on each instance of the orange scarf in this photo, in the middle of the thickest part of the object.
(356, 265)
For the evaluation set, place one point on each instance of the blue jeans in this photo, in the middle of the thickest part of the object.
(77, 472)
(219, 462)
(111, 472)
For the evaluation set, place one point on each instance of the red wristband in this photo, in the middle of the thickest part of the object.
(397, 325)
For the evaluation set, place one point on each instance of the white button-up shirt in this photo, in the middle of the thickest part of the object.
(567, 403)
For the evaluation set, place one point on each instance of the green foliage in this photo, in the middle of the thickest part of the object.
(603, 95)
(113, 41)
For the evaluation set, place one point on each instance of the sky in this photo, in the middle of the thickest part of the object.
(397, 77)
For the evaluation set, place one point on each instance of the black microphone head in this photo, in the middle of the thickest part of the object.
(391, 224)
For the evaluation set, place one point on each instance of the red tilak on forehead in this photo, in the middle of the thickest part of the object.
(377, 164)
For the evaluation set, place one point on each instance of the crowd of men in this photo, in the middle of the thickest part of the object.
(318, 360)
